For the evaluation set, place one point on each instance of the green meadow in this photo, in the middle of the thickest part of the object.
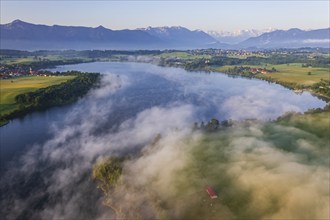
(291, 73)
(295, 73)
(10, 88)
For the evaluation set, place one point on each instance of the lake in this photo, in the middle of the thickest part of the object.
(135, 102)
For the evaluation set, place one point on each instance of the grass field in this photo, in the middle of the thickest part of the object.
(293, 73)
(10, 88)
(297, 74)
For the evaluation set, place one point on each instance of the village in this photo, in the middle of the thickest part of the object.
(249, 70)
(15, 71)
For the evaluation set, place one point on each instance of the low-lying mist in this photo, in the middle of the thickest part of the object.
(256, 176)
(260, 170)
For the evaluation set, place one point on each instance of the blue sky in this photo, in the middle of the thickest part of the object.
(205, 15)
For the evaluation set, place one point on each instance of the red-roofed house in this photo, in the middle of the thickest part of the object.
(211, 192)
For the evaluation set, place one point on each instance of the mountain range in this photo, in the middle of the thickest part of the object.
(238, 36)
(292, 38)
(20, 34)
(177, 36)
(27, 36)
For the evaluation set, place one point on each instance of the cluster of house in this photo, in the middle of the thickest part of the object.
(259, 70)
(219, 52)
(14, 72)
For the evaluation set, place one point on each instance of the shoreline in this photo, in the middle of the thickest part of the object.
(4, 122)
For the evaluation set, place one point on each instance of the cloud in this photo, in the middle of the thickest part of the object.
(281, 184)
(316, 41)
(258, 103)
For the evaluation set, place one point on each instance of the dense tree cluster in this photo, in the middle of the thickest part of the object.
(318, 62)
(212, 125)
(203, 63)
(61, 94)
(322, 87)
(107, 172)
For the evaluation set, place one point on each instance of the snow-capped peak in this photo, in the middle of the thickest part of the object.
(237, 36)
(245, 32)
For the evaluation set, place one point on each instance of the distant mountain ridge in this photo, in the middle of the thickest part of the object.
(292, 38)
(56, 36)
(27, 36)
(22, 30)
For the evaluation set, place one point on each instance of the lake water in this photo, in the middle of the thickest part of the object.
(142, 86)
(213, 94)
(130, 96)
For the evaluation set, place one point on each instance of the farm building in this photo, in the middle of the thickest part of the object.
(211, 192)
